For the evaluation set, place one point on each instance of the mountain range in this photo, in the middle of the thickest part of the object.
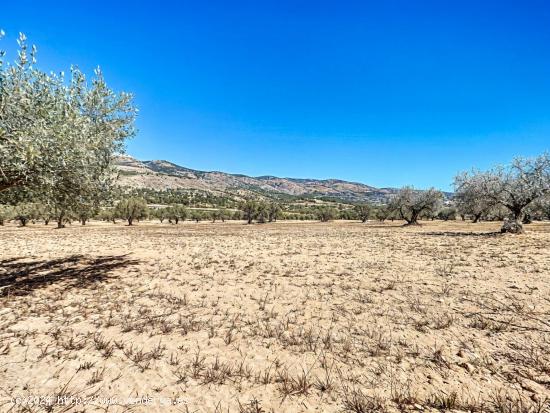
(163, 175)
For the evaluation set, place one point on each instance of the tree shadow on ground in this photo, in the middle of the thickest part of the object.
(21, 277)
(462, 234)
(383, 226)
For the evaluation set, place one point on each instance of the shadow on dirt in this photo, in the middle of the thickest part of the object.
(462, 234)
(20, 277)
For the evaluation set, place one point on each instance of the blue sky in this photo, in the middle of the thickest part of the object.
(386, 93)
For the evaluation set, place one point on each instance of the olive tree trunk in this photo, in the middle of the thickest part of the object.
(60, 220)
(514, 226)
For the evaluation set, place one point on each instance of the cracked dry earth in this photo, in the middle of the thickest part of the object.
(284, 317)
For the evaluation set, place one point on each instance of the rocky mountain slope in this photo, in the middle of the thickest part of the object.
(162, 175)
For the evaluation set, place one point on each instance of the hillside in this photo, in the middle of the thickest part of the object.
(162, 175)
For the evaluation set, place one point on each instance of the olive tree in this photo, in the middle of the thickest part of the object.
(45, 212)
(222, 214)
(25, 212)
(363, 212)
(213, 215)
(325, 214)
(58, 136)
(249, 209)
(107, 215)
(84, 212)
(514, 186)
(410, 203)
(470, 198)
(197, 216)
(274, 211)
(262, 212)
(131, 209)
(161, 214)
(176, 213)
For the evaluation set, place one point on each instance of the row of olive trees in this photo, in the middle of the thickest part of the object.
(58, 136)
(269, 212)
(409, 205)
(32, 211)
(519, 187)
(514, 193)
(132, 209)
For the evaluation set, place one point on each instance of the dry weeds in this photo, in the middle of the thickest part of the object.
(286, 317)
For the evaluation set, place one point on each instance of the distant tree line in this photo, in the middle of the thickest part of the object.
(189, 198)
(409, 205)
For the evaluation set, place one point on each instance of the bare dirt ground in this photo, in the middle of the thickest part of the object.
(285, 317)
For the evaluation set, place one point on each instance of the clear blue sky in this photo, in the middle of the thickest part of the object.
(383, 92)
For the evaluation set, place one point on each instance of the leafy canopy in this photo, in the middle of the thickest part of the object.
(58, 136)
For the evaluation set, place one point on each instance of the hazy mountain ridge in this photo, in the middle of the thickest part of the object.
(162, 175)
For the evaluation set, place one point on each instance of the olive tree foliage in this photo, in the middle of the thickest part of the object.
(384, 212)
(325, 213)
(447, 213)
(545, 208)
(107, 215)
(542, 207)
(410, 204)
(131, 209)
(515, 187)
(262, 212)
(469, 197)
(45, 212)
(220, 214)
(58, 136)
(6, 214)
